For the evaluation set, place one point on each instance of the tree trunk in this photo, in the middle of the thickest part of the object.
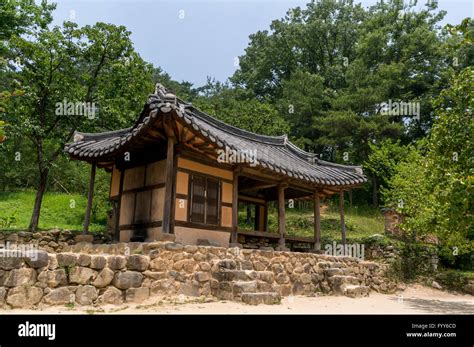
(374, 191)
(38, 200)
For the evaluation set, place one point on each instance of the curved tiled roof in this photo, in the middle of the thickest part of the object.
(274, 153)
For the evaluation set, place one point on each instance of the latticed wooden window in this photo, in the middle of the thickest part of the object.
(205, 200)
(212, 199)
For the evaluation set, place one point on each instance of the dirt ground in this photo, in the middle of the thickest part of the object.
(416, 299)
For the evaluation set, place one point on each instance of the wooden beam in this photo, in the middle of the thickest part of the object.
(317, 222)
(281, 216)
(259, 175)
(167, 208)
(252, 199)
(341, 211)
(168, 127)
(204, 144)
(268, 235)
(191, 140)
(90, 196)
(156, 133)
(184, 134)
(235, 206)
(258, 234)
(175, 128)
(257, 186)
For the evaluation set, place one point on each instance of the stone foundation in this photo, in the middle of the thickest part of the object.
(51, 241)
(113, 274)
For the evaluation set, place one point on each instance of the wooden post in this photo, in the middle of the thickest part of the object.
(281, 216)
(257, 218)
(265, 217)
(350, 201)
(90, 196)
(167, 208)
(235, 207)
(173, 194)
(317, 222)
(119, 206)
(341, 211)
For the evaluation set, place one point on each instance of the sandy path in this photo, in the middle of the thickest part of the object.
(415, 299)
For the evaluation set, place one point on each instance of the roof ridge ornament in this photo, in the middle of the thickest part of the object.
(164, 94)
(77, 137)
(160, 89)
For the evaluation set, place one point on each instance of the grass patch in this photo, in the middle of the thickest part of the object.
(360, 222)
(454, 279)
(66, 211)
(59, 210)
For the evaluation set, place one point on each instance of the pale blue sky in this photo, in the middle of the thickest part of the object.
(194, 39)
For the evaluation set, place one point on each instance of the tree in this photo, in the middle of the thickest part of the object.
(451, 169)
(433, 187)
(86, 78)
(330, 68)
(17, 17)
(409, 191)
(236, 107)
(304, 99)
(382, 163)
(317, 39)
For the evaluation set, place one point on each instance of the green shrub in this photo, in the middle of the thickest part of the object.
(454, 279)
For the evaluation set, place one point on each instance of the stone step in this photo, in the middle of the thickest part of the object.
(234, 275)
(266, 298)
(333, 272)
(340, 279)
(339, 283)
(356, 291)
(241, 287)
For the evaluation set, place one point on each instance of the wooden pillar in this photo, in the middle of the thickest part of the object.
(173, 194)
(317, 222)
(265, 217)
(350, 200)
(167, 208)
(119, 206)
(90, 195)
(257, 218)
(281, 215)
(341, 211)
(235, 207)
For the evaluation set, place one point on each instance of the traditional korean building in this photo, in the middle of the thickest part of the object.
(180, 174)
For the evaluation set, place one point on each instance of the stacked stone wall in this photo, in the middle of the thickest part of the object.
(99, 274)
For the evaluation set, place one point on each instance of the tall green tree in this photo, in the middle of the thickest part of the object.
(236, 107)
(433, 187)
(318, 39)
(329, 69)
(93, 68)
(17, 17)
